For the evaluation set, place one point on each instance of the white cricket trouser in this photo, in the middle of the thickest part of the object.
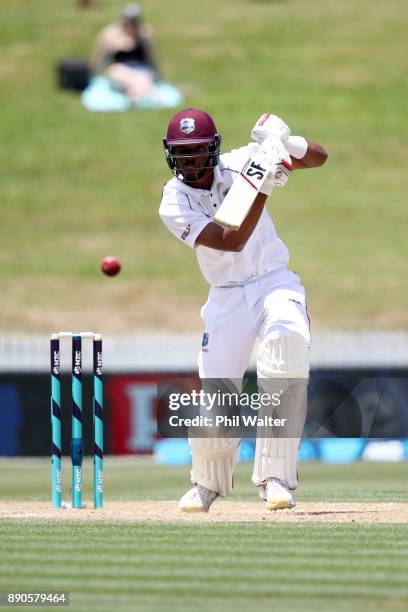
(272, 309)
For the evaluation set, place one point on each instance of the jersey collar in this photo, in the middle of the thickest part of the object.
(218, 178)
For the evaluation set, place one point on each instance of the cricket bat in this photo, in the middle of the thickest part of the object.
(241, 196)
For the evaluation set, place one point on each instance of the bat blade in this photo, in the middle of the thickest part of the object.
(238, 201)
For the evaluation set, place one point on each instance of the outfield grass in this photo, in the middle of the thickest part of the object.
(77, 186)
(132, 479)
(124, 566)
(200, 567)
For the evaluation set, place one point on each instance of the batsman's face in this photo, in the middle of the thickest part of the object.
(192, 160)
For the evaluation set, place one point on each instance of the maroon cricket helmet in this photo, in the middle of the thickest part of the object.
(191, 126)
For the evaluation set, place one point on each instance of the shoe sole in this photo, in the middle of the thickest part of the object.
(192, 509)
(282, 504)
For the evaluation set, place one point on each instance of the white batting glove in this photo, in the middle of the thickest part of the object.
(282, 173)
(274, 155)
(272, 151)
(270, 125)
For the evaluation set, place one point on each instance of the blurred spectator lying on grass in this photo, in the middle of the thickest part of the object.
(124, 52)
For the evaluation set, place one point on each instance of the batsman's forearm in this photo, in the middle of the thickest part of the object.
(315, 156)
(216, 237)
(240, 237)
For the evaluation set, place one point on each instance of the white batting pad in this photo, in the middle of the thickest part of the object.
(283, 370)
(214, 463)
(276, 450)
(283, 355)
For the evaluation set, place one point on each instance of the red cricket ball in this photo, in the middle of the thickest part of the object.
(110, 266)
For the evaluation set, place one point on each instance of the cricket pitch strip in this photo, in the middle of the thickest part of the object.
(221, 512)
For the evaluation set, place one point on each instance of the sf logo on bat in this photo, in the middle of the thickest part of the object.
(254, 171)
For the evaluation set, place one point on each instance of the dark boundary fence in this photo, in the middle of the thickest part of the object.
(131, 408)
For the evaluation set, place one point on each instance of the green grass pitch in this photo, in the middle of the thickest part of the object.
(219, 566)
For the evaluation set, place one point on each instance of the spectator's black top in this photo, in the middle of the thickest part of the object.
(138, 54)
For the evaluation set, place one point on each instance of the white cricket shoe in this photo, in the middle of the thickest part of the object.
(262, 492)
(277, 495)
(197, 499)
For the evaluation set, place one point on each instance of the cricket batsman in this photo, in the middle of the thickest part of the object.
(253, 294)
